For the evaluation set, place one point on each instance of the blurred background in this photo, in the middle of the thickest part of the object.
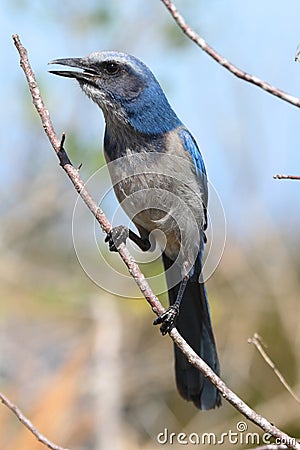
(79, 354)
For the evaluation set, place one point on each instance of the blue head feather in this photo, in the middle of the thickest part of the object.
(133, 92)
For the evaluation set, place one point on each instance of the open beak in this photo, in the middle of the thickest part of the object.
(85, 74)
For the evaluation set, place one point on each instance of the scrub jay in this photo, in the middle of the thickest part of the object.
(159, 177)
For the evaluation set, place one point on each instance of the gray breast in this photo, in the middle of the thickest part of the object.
(158, 190)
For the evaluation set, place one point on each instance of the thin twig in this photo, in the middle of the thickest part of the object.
(257, 341)
(179, 19)
(133, 268)
(23, 419)
(223, 61)
(297, 59)
(286, 177)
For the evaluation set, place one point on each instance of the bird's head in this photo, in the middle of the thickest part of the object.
(124, 88)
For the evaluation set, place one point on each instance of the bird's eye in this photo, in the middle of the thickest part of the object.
(111, 68)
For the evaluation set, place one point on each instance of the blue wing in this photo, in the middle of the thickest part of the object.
(190, 145)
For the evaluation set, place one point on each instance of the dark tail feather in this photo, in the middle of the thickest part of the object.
(194, 324)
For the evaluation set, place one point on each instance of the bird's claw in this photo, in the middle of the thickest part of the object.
(167, 319)
(116, 237)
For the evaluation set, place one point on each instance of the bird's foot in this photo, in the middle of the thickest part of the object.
(167, 319)
(116, 237)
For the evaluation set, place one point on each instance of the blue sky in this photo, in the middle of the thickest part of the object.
(245, 134)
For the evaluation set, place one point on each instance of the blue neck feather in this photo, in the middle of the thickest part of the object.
(150, 113)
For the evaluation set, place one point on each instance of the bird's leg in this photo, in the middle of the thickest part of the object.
(118, 235)
(167, 319)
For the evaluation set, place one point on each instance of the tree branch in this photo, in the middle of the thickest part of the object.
(286, 177)
(257, 341)
(23, 419)
(223, 61)
(133, 268)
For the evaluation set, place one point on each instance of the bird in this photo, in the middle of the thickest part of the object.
(159, 178)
